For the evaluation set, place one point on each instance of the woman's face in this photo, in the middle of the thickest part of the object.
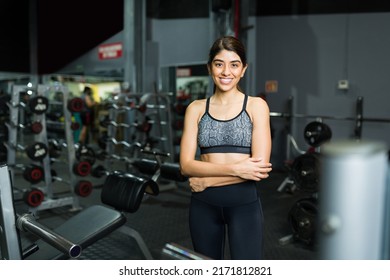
(226, 69)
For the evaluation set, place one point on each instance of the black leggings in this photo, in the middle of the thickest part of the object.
(244, 223)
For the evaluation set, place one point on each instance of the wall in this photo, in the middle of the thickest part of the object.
(308, 55)
(181, 41)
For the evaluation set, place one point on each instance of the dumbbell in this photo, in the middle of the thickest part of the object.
(99, 171)
(37, 105)
(132, 105)
(36, 151)
(104, 139)
(82, 188)
(83, 152)
(82, 168)
(35, 127)
(145, 126)
(33, 197)
(32, 173)
(75, 104)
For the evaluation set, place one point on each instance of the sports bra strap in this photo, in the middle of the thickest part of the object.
(243, 105)
(245, 101)
(207, 104)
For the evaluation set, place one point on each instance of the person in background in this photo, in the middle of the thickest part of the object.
(232, 131)
(87, 115)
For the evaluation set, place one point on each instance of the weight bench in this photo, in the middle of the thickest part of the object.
(84, 229)
(121, 193)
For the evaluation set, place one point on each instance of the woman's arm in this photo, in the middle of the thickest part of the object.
(261, 135)
(261, 148)
(89, 101)
(191, 167)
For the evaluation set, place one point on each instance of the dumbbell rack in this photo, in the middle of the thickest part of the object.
(49, 201)
(157, 106)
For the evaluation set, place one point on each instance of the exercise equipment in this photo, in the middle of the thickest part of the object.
(85, 153)
(316, 133)
(122, 191)
(144, 126)
(126, 125)
(82, 188)
(11, 224)
(35, 127)
(83, 159)
(99, 220)
(33, 197)
(305, 171)
(166, 170)
(358, 118)
(352, 203)
(38, 104)
(82, 168)
(36, 151)
(43, 198)
(117, 193)
(175, 251)
(303, 217)
(32, 173)
(75, 104)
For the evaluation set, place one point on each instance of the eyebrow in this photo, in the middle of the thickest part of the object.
(220, 60)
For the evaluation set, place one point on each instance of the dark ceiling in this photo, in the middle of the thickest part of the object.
(68, 29)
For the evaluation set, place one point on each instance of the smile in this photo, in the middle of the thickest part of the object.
(225, 80)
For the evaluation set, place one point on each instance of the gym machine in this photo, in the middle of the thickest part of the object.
(122, 193)
(354, 203)
(12, 224)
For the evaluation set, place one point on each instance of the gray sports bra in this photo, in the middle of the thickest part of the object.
(225, 136)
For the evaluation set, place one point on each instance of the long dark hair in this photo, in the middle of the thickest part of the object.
(228, 43)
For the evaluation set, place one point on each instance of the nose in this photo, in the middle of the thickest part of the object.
(226, 70)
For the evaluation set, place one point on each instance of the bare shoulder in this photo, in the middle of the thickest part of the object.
(257, 104)
(197, 105)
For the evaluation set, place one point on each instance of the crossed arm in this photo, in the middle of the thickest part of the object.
(205, 174)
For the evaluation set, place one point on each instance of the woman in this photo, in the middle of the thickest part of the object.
(87, 115)
(232, 131)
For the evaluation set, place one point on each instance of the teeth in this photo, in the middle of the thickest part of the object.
(226, 81)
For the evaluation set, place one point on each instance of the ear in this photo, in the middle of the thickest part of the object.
(209, 69)
(244, 70)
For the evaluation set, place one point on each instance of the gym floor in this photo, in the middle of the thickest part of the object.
(164, 218)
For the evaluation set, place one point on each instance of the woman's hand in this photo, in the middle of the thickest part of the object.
(197, 184)
(253, 169)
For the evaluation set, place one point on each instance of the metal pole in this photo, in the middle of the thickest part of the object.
(128, 43)
(9, 236)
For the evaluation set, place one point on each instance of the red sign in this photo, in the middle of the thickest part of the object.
(110, 51)
(271, 86)
(183, 72)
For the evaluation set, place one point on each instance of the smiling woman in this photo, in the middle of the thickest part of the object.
(232, 130)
